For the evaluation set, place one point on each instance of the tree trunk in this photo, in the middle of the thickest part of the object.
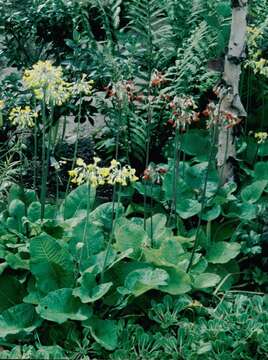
(231, 107)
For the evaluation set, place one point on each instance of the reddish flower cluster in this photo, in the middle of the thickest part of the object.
(183, 113)
(158, 79)
(154, 173)
(123, 88)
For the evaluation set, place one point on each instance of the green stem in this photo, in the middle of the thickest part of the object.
(35, 158)
(114, 222)
(64, 128)
(47, 165)
(75, 146)
(43, 185)
(203, 200)
(176, 163)
(85, 233)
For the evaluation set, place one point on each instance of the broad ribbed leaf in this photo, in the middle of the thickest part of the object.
(77, 200)
(18, 319)
(86, 239)
(131, 236)
(50, 263)
(60, 305)
(11, 292)
(89, 291)
(253, 192)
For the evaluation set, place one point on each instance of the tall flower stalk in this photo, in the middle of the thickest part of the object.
(116, 175)
(49, 87)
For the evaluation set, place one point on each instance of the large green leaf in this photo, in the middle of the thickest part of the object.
(152, 191)
(34, 211)
(179, 282)
(211, 213)
(131, 236)
(263, 149)
(196, 142)
(206, 280)
(142, 280)
(27, 196)
(261, 170)
(78, 200)
(244, 211)
(222, 252)
(105, 332)
(89, 291)
(19, 319)
(86, 239)
(253, 192)
(11, 292)
(167, 255)
(182, 189)
(103, 215)
(17, 209)
(157, 230)
(60, 305)
(187, 208)
(195, 177)
(50, 263)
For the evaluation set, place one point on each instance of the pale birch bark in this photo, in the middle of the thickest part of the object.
(230, 101)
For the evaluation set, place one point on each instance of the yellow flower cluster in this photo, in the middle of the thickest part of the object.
(2, 105)
(255, 59)
(95, 175)
(23, 117)
(46, 80)
(261, 137)
(82, 86)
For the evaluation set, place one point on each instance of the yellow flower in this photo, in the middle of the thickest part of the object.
(261, 137)
(80, 162)
(104, 172)
(46, 81)
(83, 86)
(96, 175)
(114, 163)
(72, 173)
(2, 105)
(23, 117)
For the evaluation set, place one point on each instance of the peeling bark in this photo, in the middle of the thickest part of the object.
(230, 101)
